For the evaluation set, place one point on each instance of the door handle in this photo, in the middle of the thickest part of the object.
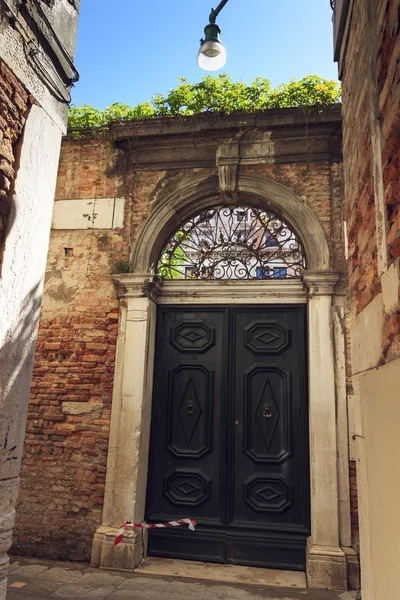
(267, 414)
(190, 409)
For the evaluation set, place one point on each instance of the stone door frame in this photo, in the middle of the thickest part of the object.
(140, 292)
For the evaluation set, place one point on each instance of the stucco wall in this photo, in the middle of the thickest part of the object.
(383, 474)
(20, 296)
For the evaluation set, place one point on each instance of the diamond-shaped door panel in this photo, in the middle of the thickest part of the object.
(268, 415)
(193, 336)
(268, 493)
(189, 411)
(190, 394)
(266, 337)
(187, 487)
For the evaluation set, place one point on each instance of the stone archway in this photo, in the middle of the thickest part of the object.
(253, 190)
(131, 413)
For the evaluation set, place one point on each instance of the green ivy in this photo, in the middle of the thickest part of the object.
(216, 95)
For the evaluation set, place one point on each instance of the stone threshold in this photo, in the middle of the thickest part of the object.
(230, 574)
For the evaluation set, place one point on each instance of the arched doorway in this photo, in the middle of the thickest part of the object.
(229, 441)
(142, 292)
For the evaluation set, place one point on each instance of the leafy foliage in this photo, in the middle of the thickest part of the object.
(168, 265)
(216, 95)
(121, 266)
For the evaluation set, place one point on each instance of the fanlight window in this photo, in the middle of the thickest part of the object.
(233, 243)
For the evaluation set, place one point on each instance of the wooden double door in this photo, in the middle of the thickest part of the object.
(229, 439)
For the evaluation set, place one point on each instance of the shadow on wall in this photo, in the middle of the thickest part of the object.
(7, 219)
(17, 347)
(55, 475)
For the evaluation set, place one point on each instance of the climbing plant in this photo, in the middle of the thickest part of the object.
(172, 257)
(213, 95)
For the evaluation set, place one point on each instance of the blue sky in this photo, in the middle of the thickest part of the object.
(128, 50)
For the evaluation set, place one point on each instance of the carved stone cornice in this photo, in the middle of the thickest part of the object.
(138, 285)
(321, 283)
(233, 292)
(275, 136)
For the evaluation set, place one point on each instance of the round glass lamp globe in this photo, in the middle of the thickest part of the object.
(211, 56)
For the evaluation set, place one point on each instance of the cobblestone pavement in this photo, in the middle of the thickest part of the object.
(36, 579)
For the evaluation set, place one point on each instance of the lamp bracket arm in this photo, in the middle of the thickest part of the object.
(215, 11)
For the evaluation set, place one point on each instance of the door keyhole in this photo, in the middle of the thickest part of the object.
(190, 409)
(267, 414)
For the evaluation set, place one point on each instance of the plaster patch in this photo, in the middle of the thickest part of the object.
(90, 213)
(391, 288)
(366, 336)
(79, 408)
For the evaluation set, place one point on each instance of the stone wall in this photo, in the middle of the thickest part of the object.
(368, 51)
(69, 414)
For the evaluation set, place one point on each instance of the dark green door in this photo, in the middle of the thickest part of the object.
(229, 440)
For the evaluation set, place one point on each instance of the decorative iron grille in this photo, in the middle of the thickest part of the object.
(233, 243)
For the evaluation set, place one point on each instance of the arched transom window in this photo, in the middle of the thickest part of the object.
(233, 243)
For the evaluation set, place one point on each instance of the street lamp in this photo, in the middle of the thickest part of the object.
(212, 54)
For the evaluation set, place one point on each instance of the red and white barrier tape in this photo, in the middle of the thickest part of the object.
(121, 530)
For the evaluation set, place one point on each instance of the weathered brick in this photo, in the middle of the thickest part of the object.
(52, 346)
(52, 417)
(14, 103)
(20, 102)
(6, 151)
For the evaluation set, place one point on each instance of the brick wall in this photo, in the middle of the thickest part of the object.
(63, 471)
(360, 208)
(65, 456)
(364, 281)
(388, 77)
(14, 107)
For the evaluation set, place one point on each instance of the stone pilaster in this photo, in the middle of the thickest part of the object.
(326, 561)
(124, 499)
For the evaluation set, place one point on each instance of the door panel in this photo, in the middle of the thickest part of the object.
(270, 488)
(229, 442)
(187, 434)
(267, 414)
(190, 421)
